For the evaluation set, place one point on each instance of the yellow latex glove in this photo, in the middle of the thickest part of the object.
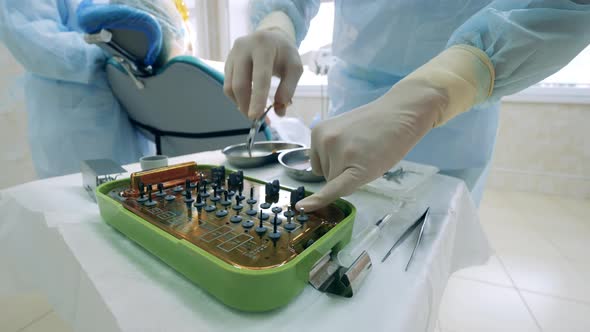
(255, 58)
(357, 147)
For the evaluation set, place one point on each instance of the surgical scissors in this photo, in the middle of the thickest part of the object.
(256, 124)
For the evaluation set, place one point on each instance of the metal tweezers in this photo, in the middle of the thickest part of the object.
(397, 175)
(256, 124)
(419, 222)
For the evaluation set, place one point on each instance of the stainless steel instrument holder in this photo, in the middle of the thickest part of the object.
(129, 63)
(329, 277)
(128, 69)
(98, 171)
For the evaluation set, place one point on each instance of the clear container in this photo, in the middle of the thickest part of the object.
(400, 182)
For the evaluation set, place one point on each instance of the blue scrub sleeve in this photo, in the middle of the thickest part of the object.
(527, 41)
(300, 11)
(37, 34)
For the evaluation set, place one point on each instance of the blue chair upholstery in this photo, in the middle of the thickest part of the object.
(93, 18)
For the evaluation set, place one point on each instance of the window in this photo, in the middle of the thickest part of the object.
(575, 74)
(570, 85)
(210, 28)
(320, 29)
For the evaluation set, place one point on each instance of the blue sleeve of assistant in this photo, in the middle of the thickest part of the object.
(37, 34)
(527, 41)
(300, 11)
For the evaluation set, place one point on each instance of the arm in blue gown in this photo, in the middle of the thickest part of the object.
(527, 41)
(40, 36)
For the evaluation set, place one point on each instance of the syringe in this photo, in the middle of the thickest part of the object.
(362, 242)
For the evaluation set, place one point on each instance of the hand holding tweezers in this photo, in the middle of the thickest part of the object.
(256, 124)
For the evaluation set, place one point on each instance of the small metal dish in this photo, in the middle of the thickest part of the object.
(298, 166)
(263, 153)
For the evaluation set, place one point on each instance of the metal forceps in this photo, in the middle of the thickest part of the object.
(256, 124)
(397, 175)
(419, 222)
(419, 240)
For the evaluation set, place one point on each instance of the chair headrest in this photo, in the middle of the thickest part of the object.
(203, 66)
(94, 17)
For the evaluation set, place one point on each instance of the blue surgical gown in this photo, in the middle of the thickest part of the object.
(379, 42)
(73, 115)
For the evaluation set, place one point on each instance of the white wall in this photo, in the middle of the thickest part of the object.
(15, 156)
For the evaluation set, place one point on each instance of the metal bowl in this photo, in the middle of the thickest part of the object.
(263, 153)
(297, 165)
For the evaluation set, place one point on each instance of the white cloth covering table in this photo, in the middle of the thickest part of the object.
(53, 240)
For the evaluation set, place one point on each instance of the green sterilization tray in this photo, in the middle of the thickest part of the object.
(224, 253)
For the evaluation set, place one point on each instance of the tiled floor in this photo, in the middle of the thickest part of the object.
(537, 281)
(539, 278)
(29, 313)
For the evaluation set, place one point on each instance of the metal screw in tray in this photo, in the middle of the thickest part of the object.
(263, 153)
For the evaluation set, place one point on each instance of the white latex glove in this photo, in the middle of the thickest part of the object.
(255, 58)
(357, 147)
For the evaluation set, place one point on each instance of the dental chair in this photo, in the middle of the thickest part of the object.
(179, 105)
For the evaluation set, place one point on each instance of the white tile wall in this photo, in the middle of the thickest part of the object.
(543, 148)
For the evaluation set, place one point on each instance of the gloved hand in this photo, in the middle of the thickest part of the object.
(255, 58)
(357, 147)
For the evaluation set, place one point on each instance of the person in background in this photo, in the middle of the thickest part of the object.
(414, 79)
(72, 113)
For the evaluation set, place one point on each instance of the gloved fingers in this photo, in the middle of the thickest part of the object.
(242, 83)
(289, 79)
(320, 146)
(227, 81)
(342, 185)
(341, 161)
(261, 78)
(316, 166)
(280, 109)
(325, 161)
